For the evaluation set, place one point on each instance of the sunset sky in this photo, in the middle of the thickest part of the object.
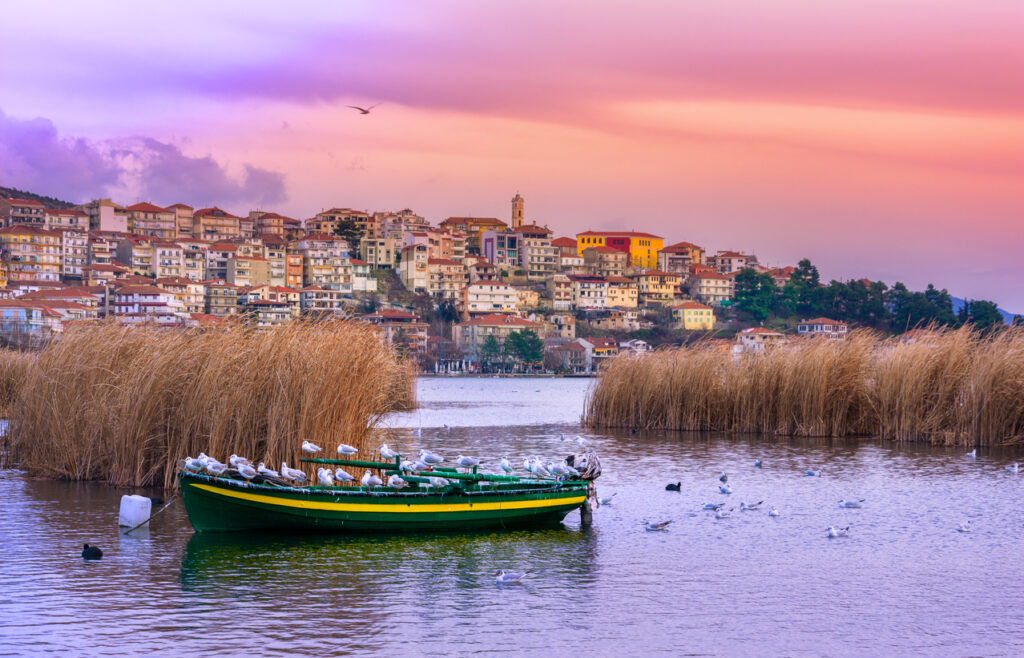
(880, 139)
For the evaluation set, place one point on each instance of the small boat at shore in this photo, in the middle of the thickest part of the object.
(470, 500)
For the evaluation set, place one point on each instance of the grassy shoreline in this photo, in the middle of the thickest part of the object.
(946, 388)
(124, 405)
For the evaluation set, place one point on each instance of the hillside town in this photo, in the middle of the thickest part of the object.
(468, 294)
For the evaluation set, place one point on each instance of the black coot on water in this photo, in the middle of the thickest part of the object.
(91, 552)
(673, 487)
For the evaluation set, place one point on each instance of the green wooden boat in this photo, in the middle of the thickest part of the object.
(472, 501)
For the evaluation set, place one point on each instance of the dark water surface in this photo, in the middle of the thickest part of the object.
(904, 581)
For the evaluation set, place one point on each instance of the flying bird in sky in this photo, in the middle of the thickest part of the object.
(363, 110)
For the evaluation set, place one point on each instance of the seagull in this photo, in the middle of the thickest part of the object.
(438, 482)
(527, 464)
(371, 480)
(396, 482)
(811, 473)
(363, 110)
(418, 431)
(246, 471)
(194, 465)
(430, 458)
(506, 465)
(346, 450)
(721, 513)
(502, 577)
(757, 463)
(580, 441)
(834, 532)
(674, 487)
(324, 477)
(235, 461)
(467, 462)
(557, 469)
(342, 476)
(607, 500)
(215, 467)
(1013, 468)
(267, 472)
(292, 473)
(652, 526)
(91, 552)
(972, 454)
(572, 471)
(745, 508)
(773, 512)
(725, 489)
(310, 448)
(420, 465)
(851, 504)
(539, 470)
(723, 478)
(714, 506)
(387, 453)
(964, 527)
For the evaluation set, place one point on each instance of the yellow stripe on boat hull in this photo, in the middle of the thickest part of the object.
(390, 507)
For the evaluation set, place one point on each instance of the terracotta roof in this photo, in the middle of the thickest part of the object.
(223, 246)
(18, 229)
(23, 202)
(692, 306)
(602, 341)
(658, 273)
(681, 246)
(65, 211)
(619, 279)
(356, 261)
(104, 267)
(213, 212)
(730, 254)
(621, 234)
(761, 331)
(147, 207)
(821, 321)
(602, 249)
(563, 242)
(76, 292)
(533, 229)
(180, 205)
(710, 275)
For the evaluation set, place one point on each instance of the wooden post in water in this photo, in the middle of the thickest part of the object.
(586, 509)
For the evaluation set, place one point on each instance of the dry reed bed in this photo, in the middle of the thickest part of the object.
(124, 405)
(953, 387)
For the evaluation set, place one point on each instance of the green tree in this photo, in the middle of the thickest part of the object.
(802, 293)
(982, 314)
(490, 351)
(348, 230)
(755, 293)
(525, 346)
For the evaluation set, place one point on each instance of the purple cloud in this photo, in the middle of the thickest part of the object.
(34, 157)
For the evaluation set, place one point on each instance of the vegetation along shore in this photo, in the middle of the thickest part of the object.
(123, 405)
(952, 387)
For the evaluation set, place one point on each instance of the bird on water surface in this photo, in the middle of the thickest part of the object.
(503, 577)
(834, 532)
(91, 552)
(653, 526)
(674, 487)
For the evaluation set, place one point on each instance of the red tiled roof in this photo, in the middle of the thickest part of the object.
(213, 212)
(68, 211)
(180, 205)
(104, 267)
(619, 279)
(18, 229)
(602, 249)
(621, 234)
(821, 321)
(23, 202)
(356, 261)
(761, 331)
(691, 306)
(681, 246)
(147, 207)
(76, 292)
(563, 242)
(223, 246)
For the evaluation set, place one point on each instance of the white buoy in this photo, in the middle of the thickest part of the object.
(134, 511)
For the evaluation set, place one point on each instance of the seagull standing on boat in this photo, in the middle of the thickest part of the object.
(396, 482)
(342, 476)
(215, 467)
(246, 471)
(310, 448)
(502, 577)
(834, 532)
(194, 465)
(346, 450)
(467, 462)
(539, 469)
(292, 473)
(430, 458)
(851, 504)
(235, 461)
(371, 480)
(267, 472)
(387, 453)
(506, 465)
(324, 476)
(438, 482)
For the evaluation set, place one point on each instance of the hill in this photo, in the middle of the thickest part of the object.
(48, 201)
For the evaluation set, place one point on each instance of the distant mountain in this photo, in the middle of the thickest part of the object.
(48, 201)
(959, 304)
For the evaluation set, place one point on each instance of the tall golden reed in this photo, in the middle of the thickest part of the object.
(948, 387)
(124, 405)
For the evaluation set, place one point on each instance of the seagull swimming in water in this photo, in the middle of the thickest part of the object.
(851, 504)
(834, 532)
(964, 527)
(310, 448)
(714, 506)
(502, 577)
(746, 508)
(652, 526)
(607, 500)
(773, 512)
(581, 442)
(811, 473)
(723, 478)
(346, 450)
(363, 110)
(267, 472)
(972, 454)
(371, 480)
(757, 463)
(725, 489)
(721, 514)
(1013, 468)
(342, 476)
(387, 453)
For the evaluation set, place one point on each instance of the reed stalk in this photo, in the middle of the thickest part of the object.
(949, 387)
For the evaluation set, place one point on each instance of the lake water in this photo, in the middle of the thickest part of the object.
(904, 582)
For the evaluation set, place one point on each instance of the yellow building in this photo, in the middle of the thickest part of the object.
(622, 292)
(693, 316)
(657, 287)
(30, 253)
(642, 248)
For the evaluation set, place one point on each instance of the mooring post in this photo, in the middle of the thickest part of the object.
(587, 508)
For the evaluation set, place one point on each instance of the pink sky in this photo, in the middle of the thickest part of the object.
(879, 139)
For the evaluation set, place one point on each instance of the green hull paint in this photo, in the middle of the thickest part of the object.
(223, 506)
